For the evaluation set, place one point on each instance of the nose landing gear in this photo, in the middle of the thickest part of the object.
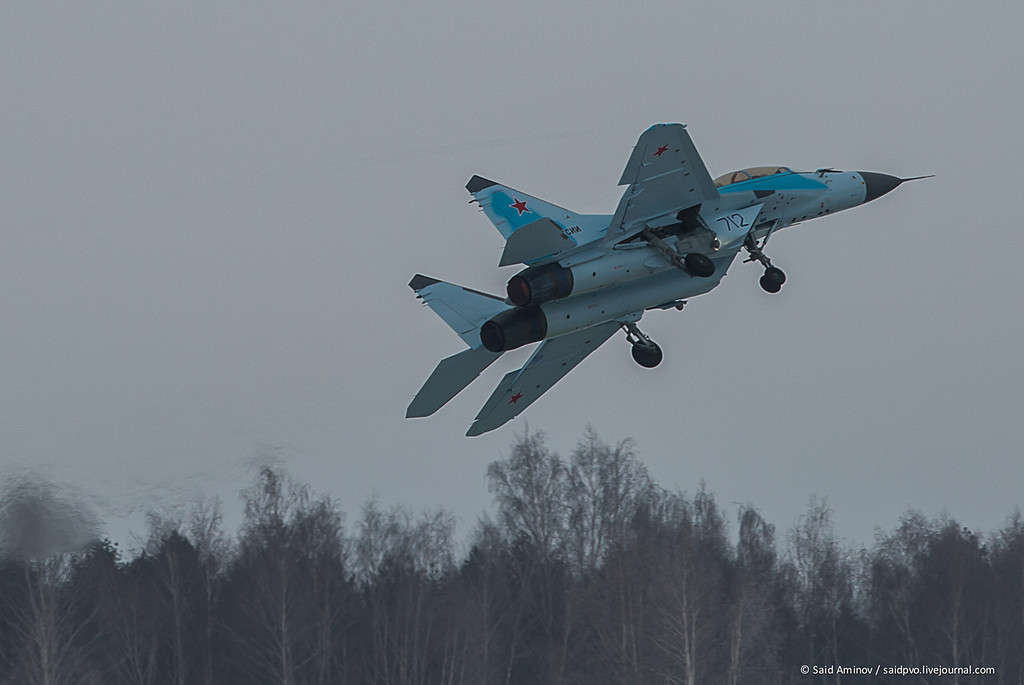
(645, 351)
(773, 278)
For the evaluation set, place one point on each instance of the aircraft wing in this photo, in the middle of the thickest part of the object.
(549, 363)
(665, 175)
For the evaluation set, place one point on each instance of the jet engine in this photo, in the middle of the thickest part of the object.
(514, 328)
(539, 284)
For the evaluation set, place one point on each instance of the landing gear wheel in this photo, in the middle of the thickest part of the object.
(699, 265)
(647, 355)
(773, 279)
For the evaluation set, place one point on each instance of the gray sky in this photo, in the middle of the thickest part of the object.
(210, 211)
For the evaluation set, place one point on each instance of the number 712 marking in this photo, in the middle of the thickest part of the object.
(734, 221)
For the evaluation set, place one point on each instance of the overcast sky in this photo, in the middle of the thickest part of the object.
(209, 213)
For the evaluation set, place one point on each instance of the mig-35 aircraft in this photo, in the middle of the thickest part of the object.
(674, 234)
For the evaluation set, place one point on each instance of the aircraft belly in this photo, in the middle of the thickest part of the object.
(611, 268)
(589, 309)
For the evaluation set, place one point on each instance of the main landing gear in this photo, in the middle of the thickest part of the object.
(773, 277)
(645, 351)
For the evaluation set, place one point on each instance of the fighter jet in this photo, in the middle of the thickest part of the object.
(673, 236)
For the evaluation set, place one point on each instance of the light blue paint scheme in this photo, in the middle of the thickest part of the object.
(732, 225)
(618, 266)
(808, 196)
(464, 310)
(779, 182)
(499, 202)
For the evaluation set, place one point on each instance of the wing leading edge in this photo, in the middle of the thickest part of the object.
(550, 362)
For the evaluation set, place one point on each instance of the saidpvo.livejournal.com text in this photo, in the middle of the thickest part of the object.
(880, 670)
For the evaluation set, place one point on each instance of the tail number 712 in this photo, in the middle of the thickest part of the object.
(734, 222)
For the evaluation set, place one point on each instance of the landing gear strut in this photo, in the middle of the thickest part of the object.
(773, 277)
(645, 351)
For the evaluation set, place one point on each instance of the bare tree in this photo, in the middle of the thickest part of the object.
(691, 591)
(824, 586)
(529, 488)
(491, 613)
(752, 634)
(177, 576)
(604, 490)
(893, 585)
(206, 534)
(48, 627)
(401, 563)
(278, 605)
(135, 624)
(1007, 561)
(952, 600)
(588, 573)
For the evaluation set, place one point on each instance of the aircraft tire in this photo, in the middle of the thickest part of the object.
(772, 279)
(647, 356)
(775, 274)
(698, 265)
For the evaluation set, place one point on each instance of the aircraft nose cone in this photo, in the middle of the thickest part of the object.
(878, 185)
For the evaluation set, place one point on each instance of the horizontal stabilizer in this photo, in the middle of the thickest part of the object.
(464, 310)
(448, 380)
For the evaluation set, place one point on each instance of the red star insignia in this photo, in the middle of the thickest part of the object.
(515, 398)
(661, 150)
(520, 206)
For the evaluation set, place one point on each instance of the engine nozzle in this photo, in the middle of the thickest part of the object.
(539, 284)
(514, 328)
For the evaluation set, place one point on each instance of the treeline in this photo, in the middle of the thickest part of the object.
(588, 573)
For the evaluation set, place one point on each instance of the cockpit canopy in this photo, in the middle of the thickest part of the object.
(750, 174)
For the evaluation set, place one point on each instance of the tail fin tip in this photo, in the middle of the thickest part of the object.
(478, 183)
(419, 282)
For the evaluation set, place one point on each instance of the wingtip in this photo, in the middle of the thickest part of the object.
(419, 282)
(473, 432)
(483, 425)
(478, 183)
(412, 412)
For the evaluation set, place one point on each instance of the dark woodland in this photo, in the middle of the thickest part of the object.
(588, 572)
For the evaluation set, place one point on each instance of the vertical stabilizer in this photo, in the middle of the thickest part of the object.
(510, 209)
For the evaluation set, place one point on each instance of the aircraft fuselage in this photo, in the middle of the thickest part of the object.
(674, 234)
(600, 283)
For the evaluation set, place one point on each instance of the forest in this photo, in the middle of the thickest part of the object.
(586, 572)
